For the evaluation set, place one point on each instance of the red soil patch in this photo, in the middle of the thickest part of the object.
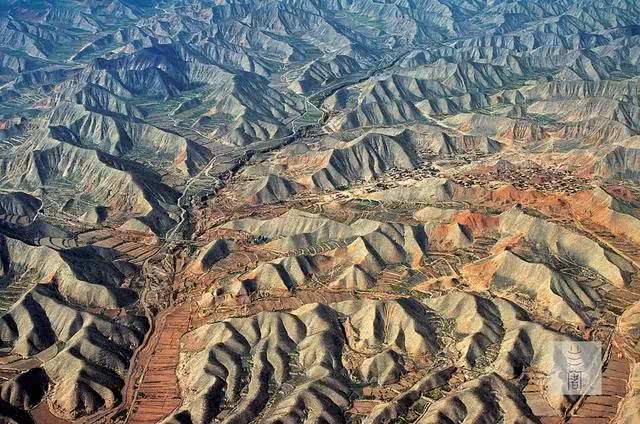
(478, 223)
(158, 394)
(478, 275)
(621, 192)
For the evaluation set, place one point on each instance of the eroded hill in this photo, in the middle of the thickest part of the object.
(317, 211)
